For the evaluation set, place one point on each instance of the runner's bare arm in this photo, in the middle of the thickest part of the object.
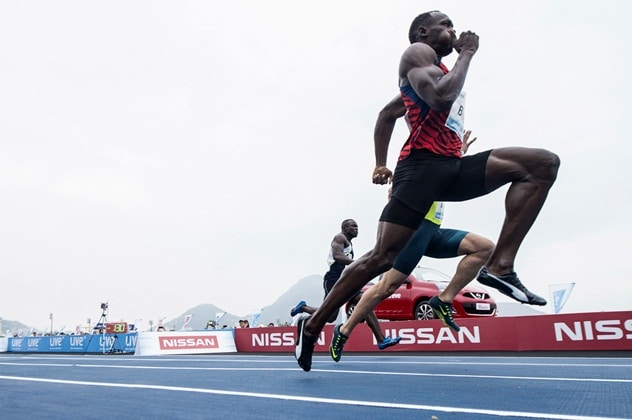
(384, 126)
(338, 245)
(418, 68)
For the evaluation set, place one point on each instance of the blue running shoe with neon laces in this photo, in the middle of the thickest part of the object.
(297, 309)
(388, 342)
(443, 311)
(337, 343)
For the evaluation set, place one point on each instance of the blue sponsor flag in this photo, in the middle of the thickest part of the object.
(255, 318)
(560, 294)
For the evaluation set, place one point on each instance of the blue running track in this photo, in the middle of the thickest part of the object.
(273, 387)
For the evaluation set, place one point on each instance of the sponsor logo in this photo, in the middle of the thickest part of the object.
(188, 342)
(130, 341)
(279, 339)
(107, 340)
(607, 329)
(32, 342)
(409, 336)
(55, 341)
(429, 335)
(276, 339)
(395, 296)
(76, 341)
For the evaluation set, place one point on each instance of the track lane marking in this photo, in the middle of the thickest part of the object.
(349, 359)
(357, 372)
(375, 404)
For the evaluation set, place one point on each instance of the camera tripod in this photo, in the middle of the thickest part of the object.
(103, 319)
(101, 327)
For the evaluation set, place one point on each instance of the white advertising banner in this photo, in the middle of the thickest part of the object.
(189, 342)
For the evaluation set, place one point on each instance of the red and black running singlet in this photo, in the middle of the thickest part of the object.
(428, 127)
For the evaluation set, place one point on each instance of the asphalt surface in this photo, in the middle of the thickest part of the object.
(273, 386)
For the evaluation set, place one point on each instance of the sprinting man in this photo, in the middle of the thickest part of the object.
(430, 168)
(429, 240)
(340, 256)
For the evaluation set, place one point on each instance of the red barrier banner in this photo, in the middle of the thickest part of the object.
(598, 331)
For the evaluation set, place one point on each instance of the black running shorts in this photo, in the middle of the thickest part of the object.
(423, 178)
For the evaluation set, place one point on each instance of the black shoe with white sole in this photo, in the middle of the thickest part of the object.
(510, 285)
(304, 344)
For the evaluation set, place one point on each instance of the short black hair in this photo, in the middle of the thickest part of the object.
(420, 20)
(345, 222)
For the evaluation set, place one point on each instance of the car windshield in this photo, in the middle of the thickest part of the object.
(430, 274)
(426, 274)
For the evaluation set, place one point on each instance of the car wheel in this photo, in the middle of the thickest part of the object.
(423, 310)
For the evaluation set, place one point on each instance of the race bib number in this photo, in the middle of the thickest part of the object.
(439, 211)
(435, 214)
(455, 120)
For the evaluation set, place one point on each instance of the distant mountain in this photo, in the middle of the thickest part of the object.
(309, 289)
(200, 315)
(8, 326)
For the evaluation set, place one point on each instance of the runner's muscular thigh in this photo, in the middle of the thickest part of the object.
(391, 239)
(509, 164)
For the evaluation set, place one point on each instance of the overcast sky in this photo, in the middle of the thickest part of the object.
(162, 154)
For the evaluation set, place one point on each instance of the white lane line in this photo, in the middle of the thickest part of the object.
(366, 372)
(377, 404)
(357, 372)
(37, 364)
(454, 375)
(351, 359)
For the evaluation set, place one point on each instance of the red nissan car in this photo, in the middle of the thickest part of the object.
(410, 300)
